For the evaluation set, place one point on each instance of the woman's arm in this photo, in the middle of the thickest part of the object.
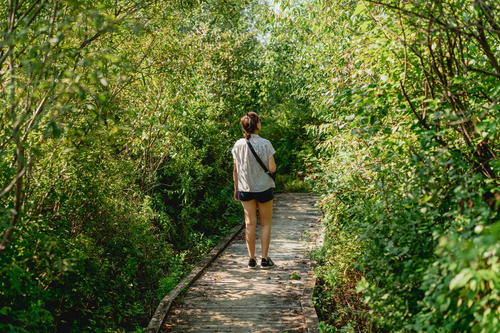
(235, 180)
(272, 164)
(235, 176)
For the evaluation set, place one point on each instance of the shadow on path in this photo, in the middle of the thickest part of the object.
(229, 297)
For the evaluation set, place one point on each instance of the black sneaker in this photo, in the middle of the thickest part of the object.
(252, 263)
(266, 263)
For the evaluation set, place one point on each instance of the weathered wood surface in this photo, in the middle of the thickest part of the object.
(162, 309)
(229, 297)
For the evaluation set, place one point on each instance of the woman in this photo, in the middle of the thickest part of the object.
(253, 187)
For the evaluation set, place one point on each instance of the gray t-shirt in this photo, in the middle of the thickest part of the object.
(251, 176)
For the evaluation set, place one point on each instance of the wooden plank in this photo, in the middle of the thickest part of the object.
(181, 327)
(227, 305)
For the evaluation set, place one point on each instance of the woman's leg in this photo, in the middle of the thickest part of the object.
(266, 219)
(250, 208)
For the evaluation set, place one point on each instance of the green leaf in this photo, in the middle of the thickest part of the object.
(461, 279)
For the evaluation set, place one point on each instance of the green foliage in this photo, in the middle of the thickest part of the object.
(291, 183)
(115, 153)
(403, 104)
(463, 283)
(117, 136)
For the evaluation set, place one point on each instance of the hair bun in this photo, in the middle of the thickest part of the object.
(249, 123)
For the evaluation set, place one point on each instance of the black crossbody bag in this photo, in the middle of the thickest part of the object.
(271, 174)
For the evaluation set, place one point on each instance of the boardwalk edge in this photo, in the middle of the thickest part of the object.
(162, 309)
(311, 320)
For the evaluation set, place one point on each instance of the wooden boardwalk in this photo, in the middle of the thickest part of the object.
(229, 297)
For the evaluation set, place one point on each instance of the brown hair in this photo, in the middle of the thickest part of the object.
(249, 123)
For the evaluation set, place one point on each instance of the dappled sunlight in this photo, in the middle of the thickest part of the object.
(229, 296)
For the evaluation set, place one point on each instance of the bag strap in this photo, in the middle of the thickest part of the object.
(258, 158)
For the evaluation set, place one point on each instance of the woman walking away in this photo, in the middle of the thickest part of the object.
(253, 176)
